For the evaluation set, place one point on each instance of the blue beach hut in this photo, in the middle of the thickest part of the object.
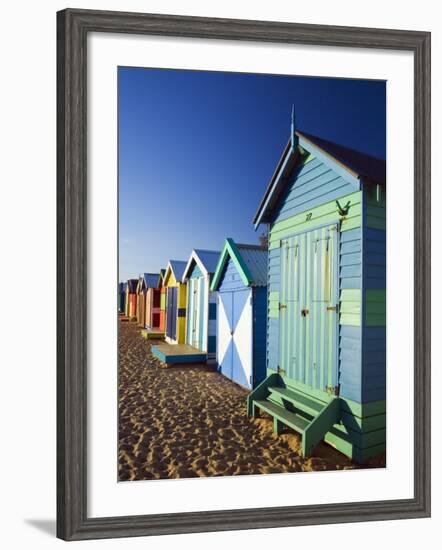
(325, 212)
(240, 280)
(201, 301)
(121, 297)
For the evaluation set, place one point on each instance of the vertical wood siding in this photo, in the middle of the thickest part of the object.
(180, 321)
(350, 267)
(259, 334)
(211, 327)
(201, 313)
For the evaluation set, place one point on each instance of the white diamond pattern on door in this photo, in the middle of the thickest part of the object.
(242, 340)
(235, 336)
(224, 337)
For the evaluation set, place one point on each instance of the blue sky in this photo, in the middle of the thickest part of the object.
(197, 150)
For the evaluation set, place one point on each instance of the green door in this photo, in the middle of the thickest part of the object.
(308, 342)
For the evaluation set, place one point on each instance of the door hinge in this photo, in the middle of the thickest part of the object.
(333, 308)
(332, 390)
(281, 306)
(279, 370)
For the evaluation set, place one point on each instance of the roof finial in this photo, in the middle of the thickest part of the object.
(294, 137)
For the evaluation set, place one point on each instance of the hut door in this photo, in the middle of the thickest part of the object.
(195, 315)
(308, 309)
(172, 303)
(242, 338)
(234, 337)
(225, 335)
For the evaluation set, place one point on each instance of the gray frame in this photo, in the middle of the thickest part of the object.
(73, 27)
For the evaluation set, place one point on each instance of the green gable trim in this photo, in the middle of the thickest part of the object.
(230, 250)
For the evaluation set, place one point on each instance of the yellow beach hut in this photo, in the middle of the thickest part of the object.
(174, 349)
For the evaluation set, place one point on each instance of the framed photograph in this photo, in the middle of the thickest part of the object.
(243, 274)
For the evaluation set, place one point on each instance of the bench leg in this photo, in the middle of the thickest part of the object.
(255, 411)
(277, 426)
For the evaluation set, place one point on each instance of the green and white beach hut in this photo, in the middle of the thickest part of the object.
(326, 339)
(201, 301)
(240, 281)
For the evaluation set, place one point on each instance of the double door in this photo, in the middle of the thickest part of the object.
(309, 301)
(235, 332)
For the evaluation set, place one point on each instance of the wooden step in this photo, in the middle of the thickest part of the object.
(293, 420)
(299, 400)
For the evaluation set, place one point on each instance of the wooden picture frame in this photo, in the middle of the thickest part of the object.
(73, 27)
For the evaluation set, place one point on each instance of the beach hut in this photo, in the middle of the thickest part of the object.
(201, 301)
(145, 282)
(140, 299)
(175, 349)
(163, 290)
(176, 295)
(121, 297)
(131, 299)
(240, 280)
(152, 320)
(325, 211)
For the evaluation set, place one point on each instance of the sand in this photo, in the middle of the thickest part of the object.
(190, 421)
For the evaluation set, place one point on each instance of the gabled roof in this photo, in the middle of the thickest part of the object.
(250, 260)
(206, 260)
(355, 166)
(364, 166)
(132, 285)
(150, 280)
(161, 277)
(176, 267)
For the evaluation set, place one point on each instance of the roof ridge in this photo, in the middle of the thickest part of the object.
(253, 246)
(206, 250)
(358, 151)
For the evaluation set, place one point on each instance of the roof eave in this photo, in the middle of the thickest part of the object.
(258, 218)
(230, 249)
(317, 150)
(193, 257)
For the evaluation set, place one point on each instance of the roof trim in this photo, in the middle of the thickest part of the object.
(194, 256)
(153, 275)
(348, 173)
(170, 270)
(285, 167)
(132, 285)
(230, 250)
(273, 181)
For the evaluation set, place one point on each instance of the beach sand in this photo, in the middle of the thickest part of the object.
(190, 421)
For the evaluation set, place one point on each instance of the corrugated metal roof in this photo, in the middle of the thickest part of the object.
(151, 279)
(178, 268)
(364, 165)
(255, 258)
(209, 259)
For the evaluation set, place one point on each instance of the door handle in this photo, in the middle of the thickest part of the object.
(304, 312)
